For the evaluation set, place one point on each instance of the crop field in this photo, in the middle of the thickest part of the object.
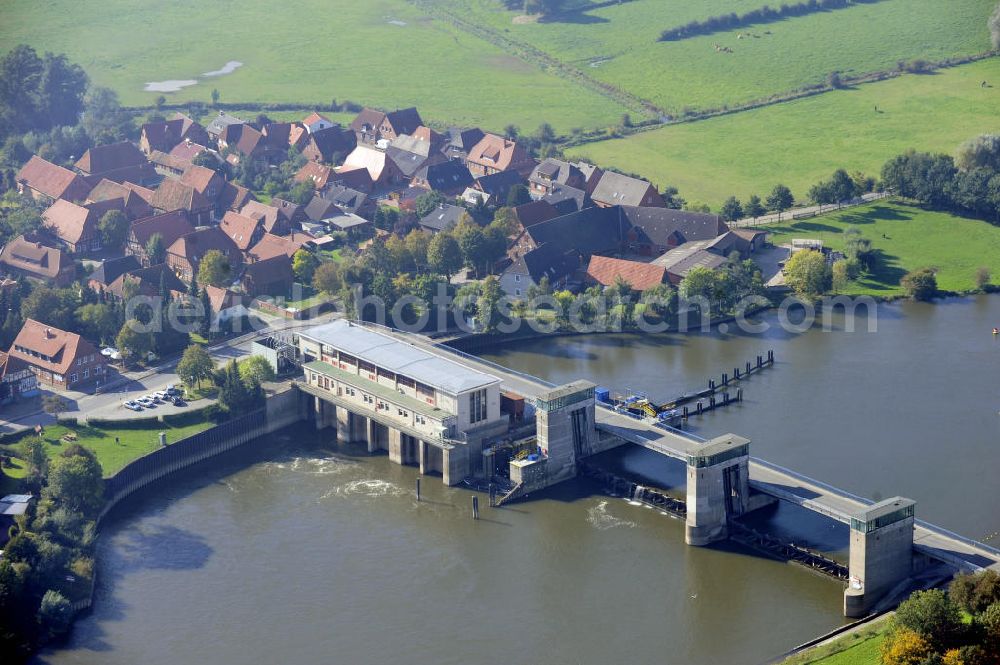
(802, 141)
(380, 52)
(906, 238)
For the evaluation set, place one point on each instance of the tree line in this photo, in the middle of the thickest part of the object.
(968, 183)
(960, 626)
(49, 558)
(765, 14)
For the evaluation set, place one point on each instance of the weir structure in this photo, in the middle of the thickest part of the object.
(440, 409)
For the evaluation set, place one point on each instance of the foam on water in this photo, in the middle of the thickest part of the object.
(601, 519)
(315, 466)
(366, 487)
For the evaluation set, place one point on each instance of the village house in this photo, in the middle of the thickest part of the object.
(17, 380)
(372, 126)
(552, 173)
(45, 182)
(273, 219)
(188, 150)
(494, 154)
(492, 189)
(271, 245)
(384, 173)
(135, 198)
(146, 282)
(116, 161)
(168, 226)
(174, 195)
(315, 174)
(536, 212)
(245, 232)
(27, 256)
(319, 209)
(558, 264)
(167, 165)
(616, 189)
(357, 228)
(618, 230)
(605, 271)
(350, 200)
(268, 277)
(410, 153)
(226, 305)
(60, 359)
(109, 271)
(329, 145)
(459, 142)
(567, 199)
(316, 121)
(164, 135)
(219, 124)
(232, 197)
(74, 226)
(442, 218)
(184, 255)
(450, 178)
(205, 181)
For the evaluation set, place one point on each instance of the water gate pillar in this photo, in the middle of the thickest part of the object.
(881, 553)
(565, 428)
(718, 488)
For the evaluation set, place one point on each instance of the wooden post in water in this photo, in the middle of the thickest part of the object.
(739, 395)
(725, 379)
(711, 402)
(699, 407)
(685, 413)
(418, 489)
(475, 507)
(725, 398)
(748, 367)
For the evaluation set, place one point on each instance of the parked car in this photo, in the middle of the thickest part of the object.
(152, 397)
(177, 401)
(147, 402)
(171, 389)
(162, 395)
(133, 406)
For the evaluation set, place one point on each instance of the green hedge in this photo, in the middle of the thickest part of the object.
(210, 412)
(148, 422)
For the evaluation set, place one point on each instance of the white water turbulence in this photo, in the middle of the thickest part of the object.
(367, 487)
(599, 517)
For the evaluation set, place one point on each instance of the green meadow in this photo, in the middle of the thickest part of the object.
(905, 238)
(617, 44)
(380, 52)
(802, 141)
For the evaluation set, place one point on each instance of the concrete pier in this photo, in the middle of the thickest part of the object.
(718, 488)
(881, 553)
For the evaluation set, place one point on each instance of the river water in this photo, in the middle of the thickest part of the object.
(305, 552)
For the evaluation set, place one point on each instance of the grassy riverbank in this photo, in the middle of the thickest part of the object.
(802, 141)
(906, 237)
(114, 446)
(859, 647)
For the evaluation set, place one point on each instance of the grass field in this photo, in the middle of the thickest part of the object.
(379, 52)
(133, 443)
(906, 238)
(617, 44)
(799, 142)
(392, 53)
